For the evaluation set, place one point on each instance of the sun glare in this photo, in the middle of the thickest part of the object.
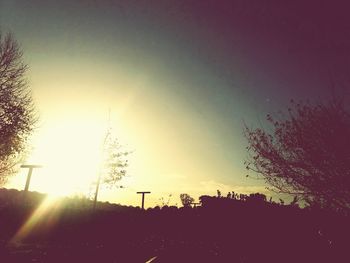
(70, 154)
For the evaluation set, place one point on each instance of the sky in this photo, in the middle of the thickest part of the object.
(175, 80)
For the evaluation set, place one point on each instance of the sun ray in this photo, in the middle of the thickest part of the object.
(44, 217)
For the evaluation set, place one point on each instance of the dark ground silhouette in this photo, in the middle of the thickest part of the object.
(224, 229)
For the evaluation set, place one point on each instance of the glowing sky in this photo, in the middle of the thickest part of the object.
(179, 78)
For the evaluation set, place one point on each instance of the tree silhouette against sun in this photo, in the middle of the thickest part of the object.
(17, 116)
(113, 163)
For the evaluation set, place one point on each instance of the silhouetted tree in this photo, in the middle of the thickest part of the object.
(243, 197)
(16, 107)
(307, 154)
(186, 200)
(257, 198)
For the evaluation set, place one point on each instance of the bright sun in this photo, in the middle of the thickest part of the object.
(70, 154)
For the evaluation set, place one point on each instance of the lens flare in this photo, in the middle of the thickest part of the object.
(43, 218)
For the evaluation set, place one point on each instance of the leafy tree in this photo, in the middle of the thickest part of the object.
(113, 165)
(114, 161)
(186, 200)
(16, 107)
(307, 154)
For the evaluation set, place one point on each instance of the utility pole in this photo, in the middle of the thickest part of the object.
(30, 171)
(143, 198)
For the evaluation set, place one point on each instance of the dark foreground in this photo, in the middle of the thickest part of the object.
(220, 231)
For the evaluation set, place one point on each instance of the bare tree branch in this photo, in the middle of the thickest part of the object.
(307, 154)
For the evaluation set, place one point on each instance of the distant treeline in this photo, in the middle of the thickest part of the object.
(14, 197)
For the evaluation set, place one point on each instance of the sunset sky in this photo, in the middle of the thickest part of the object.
(179, 78)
